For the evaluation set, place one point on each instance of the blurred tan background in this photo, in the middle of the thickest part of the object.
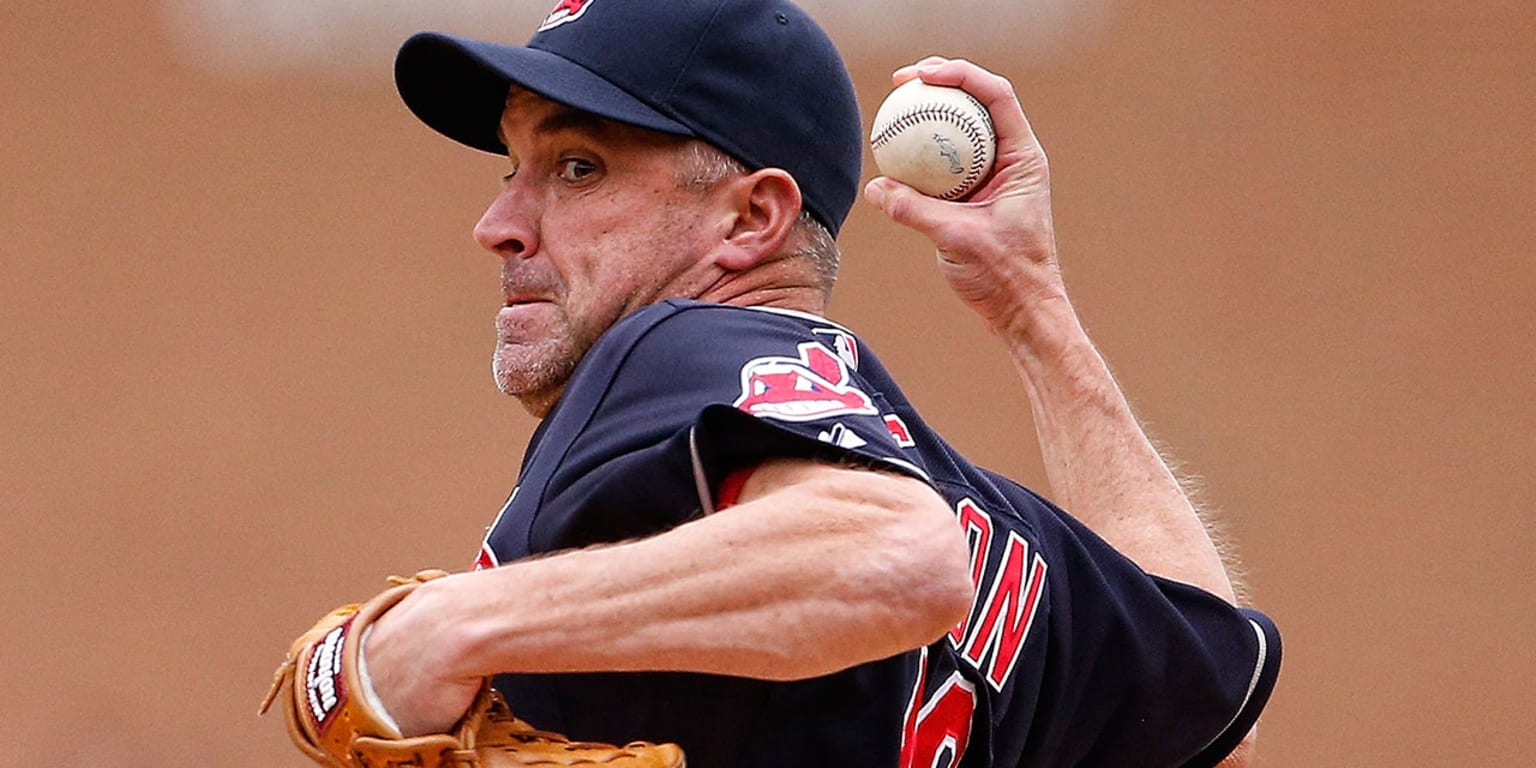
(242, 316)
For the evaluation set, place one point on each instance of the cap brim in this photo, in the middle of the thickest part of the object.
(458, 87)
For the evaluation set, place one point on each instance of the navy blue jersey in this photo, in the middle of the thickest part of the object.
(1071, 655)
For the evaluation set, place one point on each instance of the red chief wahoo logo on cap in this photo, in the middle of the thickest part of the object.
(564, 13)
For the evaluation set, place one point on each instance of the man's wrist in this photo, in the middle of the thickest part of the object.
(1043, 323)
(392, 728)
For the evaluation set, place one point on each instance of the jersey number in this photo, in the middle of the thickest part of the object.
(936, 731)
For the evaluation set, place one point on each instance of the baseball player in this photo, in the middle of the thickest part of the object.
(732, 530)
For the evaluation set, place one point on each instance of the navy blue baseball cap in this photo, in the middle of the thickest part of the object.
(756, 78)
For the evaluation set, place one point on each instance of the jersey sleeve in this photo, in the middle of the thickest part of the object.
(684, 394)
(1266, 668)
(1161, 669)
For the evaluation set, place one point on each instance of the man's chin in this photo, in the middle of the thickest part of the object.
(536, 400)
(537, 387)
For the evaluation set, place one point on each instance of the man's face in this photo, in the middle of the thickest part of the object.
(593, 224)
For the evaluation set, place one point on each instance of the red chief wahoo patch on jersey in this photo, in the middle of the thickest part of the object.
(813, 386)
(564, 13)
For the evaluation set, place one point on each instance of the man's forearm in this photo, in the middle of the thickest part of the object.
(816, 569)
(859, 556)
(1101, 466)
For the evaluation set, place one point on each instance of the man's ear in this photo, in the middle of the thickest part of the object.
(764, 205)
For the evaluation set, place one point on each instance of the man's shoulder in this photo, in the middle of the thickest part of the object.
(686, 345)
(693, 310)
(693, 328)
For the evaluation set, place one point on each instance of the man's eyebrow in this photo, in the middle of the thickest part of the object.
(567, 119)
(570, 119)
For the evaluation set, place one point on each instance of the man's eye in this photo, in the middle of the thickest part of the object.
(576, 169)
(507, 179)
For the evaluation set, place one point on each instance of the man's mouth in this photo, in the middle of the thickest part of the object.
(523, 300)
(520, 310)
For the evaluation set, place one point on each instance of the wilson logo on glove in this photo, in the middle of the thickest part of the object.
(323, 683)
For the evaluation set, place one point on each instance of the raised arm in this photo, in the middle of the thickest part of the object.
(998, 252)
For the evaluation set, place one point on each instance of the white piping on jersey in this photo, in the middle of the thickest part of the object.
(815, 318)
(1253, 682)
(909, 466)
(1258, 668)
(700, 482)
(707, 498)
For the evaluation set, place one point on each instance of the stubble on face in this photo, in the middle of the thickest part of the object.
(535, 373)
(537, 345)
(604, 251)
(540, 344)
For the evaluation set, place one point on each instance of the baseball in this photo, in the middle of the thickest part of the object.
(936, 139)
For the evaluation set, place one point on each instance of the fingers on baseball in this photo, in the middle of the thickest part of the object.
(910, 71)
(994, 91)
(907, 206)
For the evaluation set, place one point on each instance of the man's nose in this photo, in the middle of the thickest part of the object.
(508, 227)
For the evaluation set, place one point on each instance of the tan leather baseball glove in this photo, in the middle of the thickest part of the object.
(332, 722)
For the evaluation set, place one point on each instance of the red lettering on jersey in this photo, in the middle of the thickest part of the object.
(936, 735)
(1009, 613)
(978, 533)
(898, 430)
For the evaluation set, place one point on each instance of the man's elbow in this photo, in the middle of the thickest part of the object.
(906, 557)
(937, 567)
